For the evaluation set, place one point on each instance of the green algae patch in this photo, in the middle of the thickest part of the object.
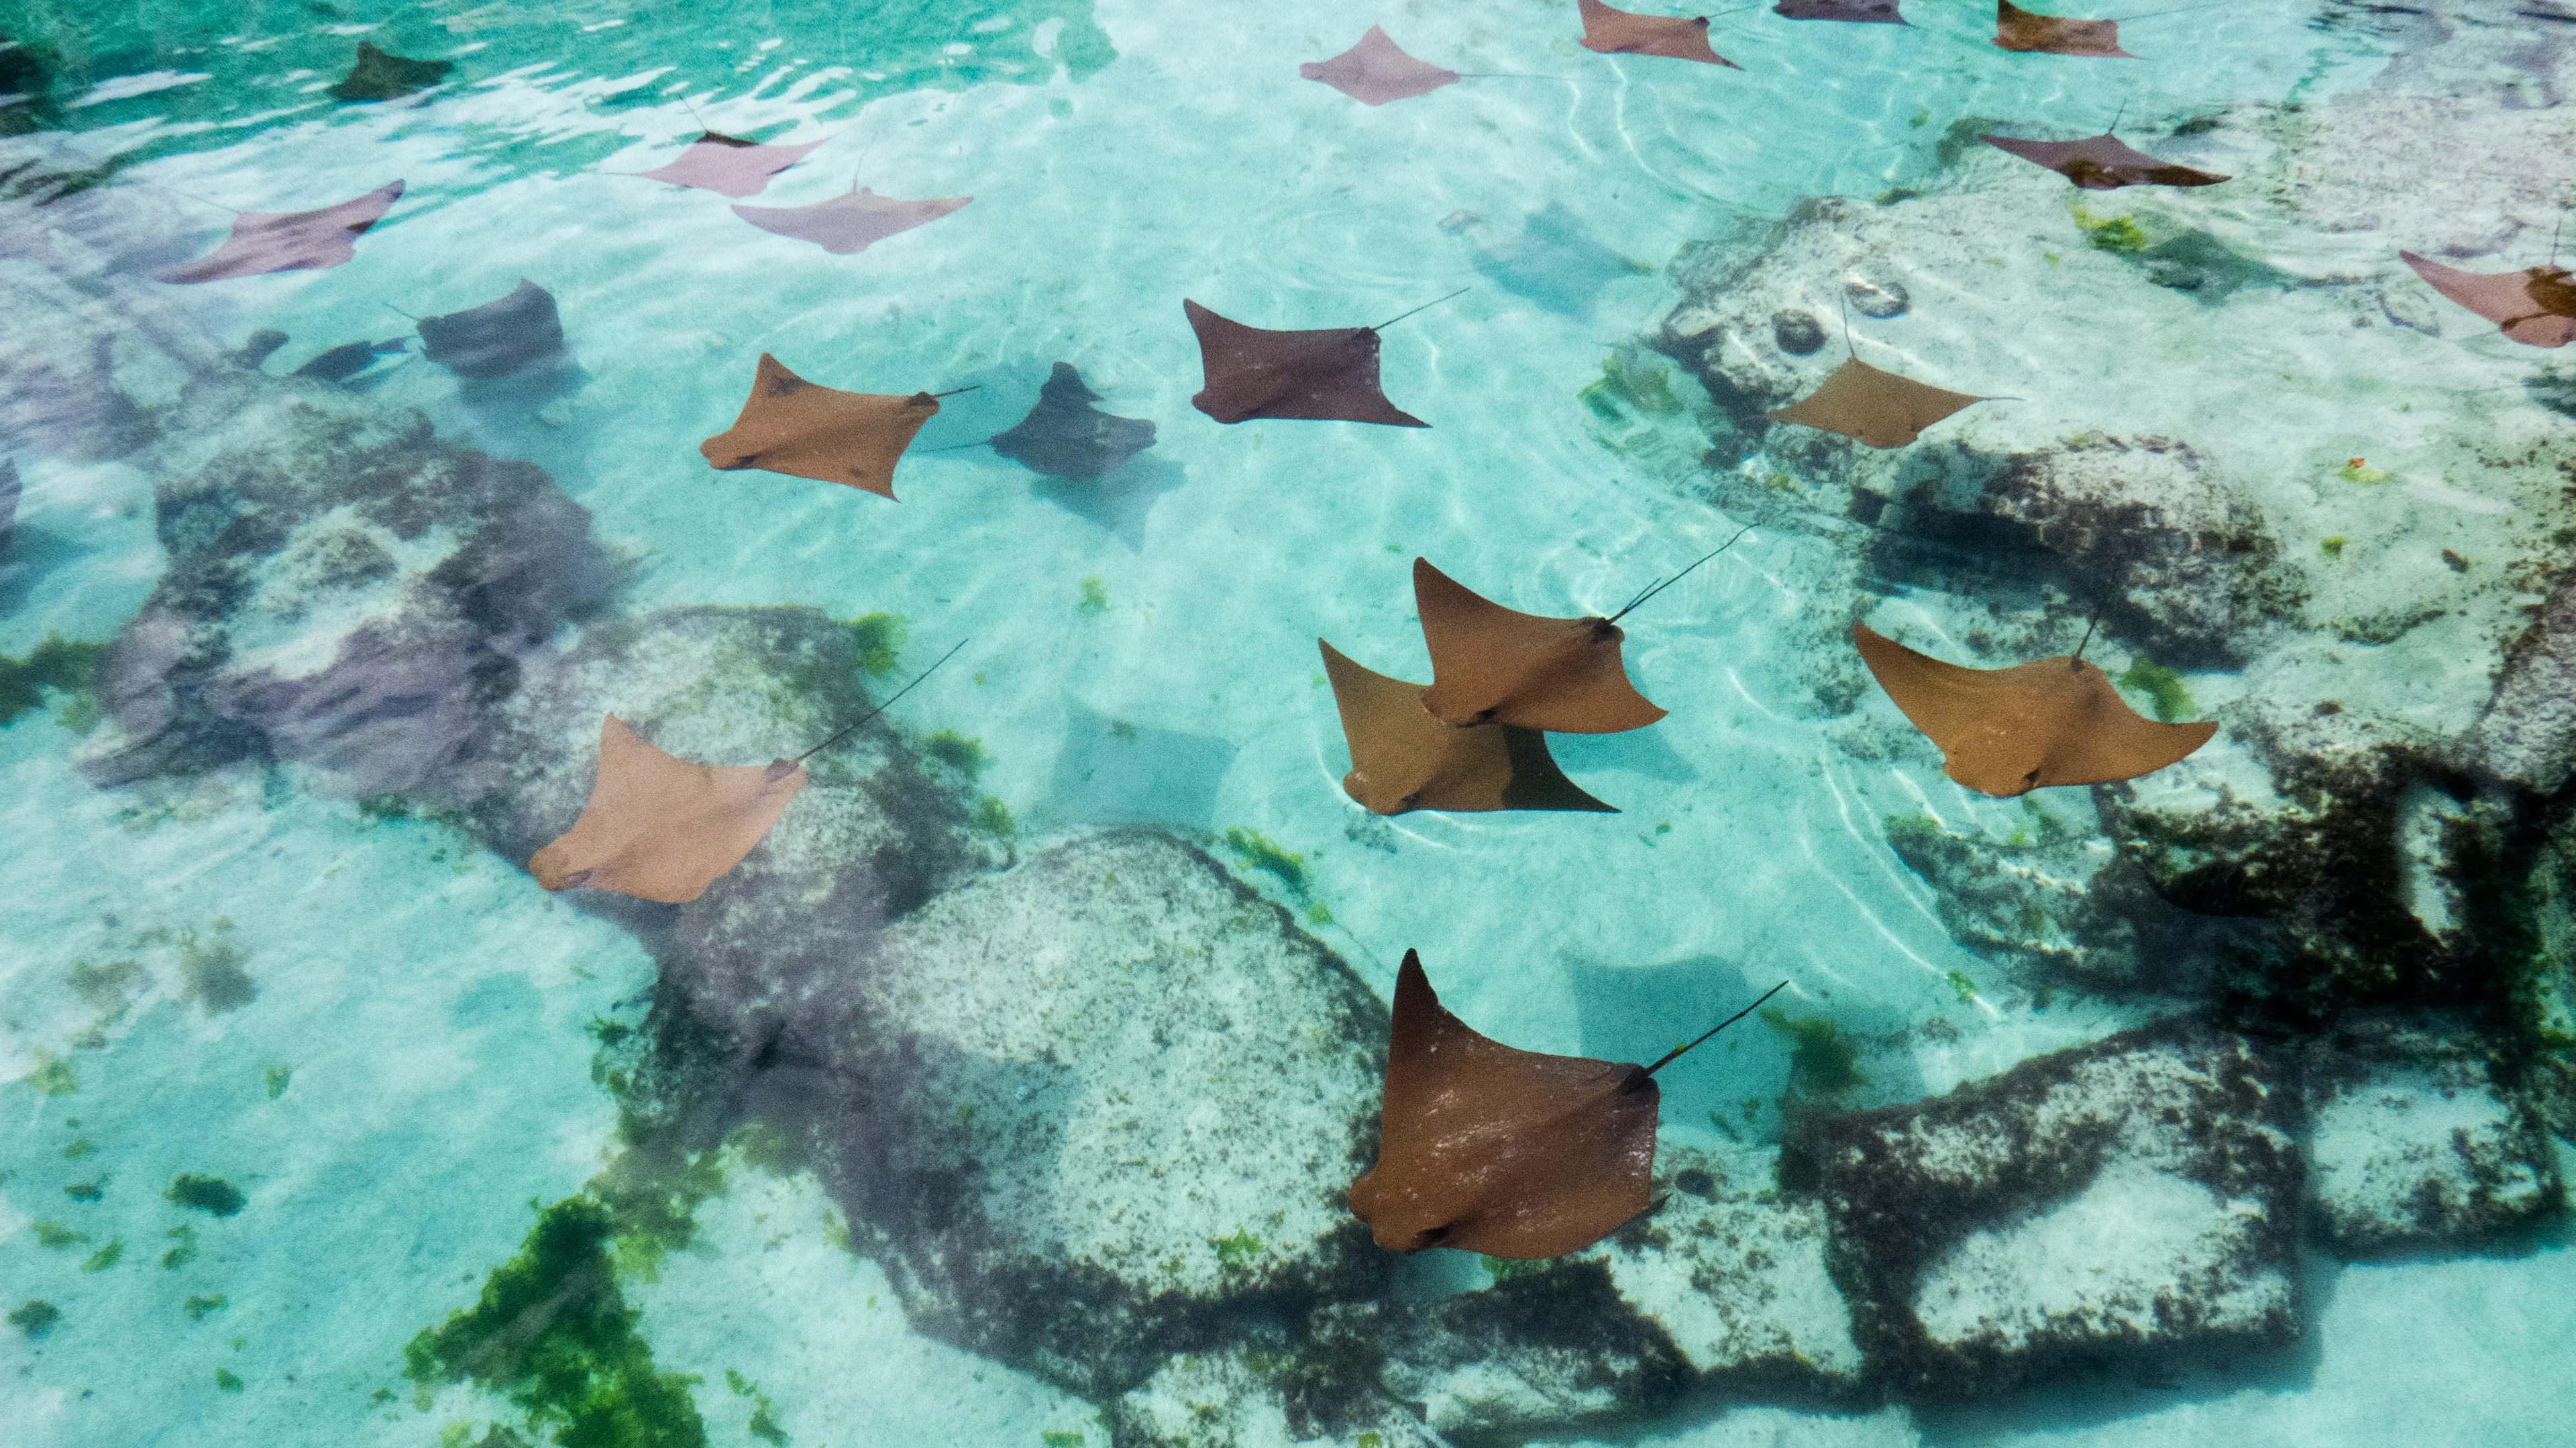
(1240, 1250)
(227, 1381)
(54, 1236)
(1258, 851)
(1095, 598)
(105, 1257)
(84, 1191)
(53, 1075)
(183, 1254)
(206, 1194)
(2117, 235)
(957, 752)
(2162, 685)
(553, 1335)
(877, 638)
(764, 1420)
(1629, 384)
(1963, 986)
(1821, 1062)
(63, 666)
(35, 1317)
(2331, 547)
(276, 1078)
(198, 1307)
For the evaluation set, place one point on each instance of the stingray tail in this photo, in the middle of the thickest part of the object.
(844, 731)
(1426, 306)
(1654, 588)
(1676, 1052)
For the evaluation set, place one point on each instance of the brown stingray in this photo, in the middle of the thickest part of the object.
(2009, 731)
(2103, 163)
(1326, 374)
(660, 828)
(1492, 665)
(1877, 407)
(2535, 306)
(1501, 1151)
(2019, 29)
(792, 426)
(1402, 758)
(1618, 32)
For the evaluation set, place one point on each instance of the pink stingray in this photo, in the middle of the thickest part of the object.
(2535, 306)
(846, 224)
(727, 165)
(1377, 70)
(276, 241)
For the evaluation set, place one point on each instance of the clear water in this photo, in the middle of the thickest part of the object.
(376, 1027)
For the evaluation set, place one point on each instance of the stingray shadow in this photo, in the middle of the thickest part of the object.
(1638, 1012)
(1114, 772)
(27, 554)
(1118, 502)
(1554, 263)
(1636, 751)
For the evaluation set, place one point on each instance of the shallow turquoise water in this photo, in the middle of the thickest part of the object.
(419, 1064)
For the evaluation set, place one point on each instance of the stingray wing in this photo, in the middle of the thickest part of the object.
(660, 828)
(728, 165)
(1403, 758)
(1881, 12)
(1490, 664)
(1991, 736)
(1619, 32)
(1324, 374)
(1377, 70)
(1875, 406)
(276, 241)
(792, 426)
(2534, 306)
(1501, 1151)
(848, 224)
(2019, 29)
(2100, 739)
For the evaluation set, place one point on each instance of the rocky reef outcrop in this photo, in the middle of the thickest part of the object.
(2412, 1142)
(2135, 1198)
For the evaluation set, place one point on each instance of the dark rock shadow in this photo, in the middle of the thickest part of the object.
(1114, 772)
(28, 554)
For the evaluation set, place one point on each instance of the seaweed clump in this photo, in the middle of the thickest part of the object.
(35, 1317)
(206, 1194)
(553, 1335)
(1821, 1062)
(65, 666)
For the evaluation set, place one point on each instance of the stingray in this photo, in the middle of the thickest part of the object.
(1510, 1153)
(1617, 32)
(510, 333)
(727, 165)
(2019, 29)
(1377, 70)
(847, 224)
(1492, 665)
(2103, 163)
(1403, 758)
(2535, 306)
(1326, 374)
(792, 426)
(276, 241)
(661, 828)
(1064, 436)
(1877, 407)
(381, 75)
(2009, 731)
(347, 360)
(1878, 12)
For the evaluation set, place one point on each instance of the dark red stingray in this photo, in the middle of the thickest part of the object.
(2103, 163)
(1326, 374)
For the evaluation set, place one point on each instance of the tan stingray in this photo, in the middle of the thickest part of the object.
(2009, 731)
(1620, 32)
(2535, 306)
(1511, 1153)
(2019, 29)
(792, 426)
(1402, 758)
(1876, 406)
(1491, 665)
(660, 828)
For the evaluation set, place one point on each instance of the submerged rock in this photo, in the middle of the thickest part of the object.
(343, 591)
(1248, 1397)
(1113, 1099)
(2413, 1143)
(2125, 1200)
